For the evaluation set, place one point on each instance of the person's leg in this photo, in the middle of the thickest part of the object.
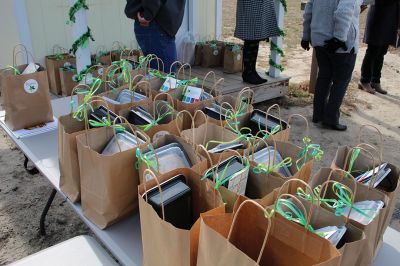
(343, 66)
(153, 40)
(250, 53)
(323, 84)
(367, 68)
(377, 69)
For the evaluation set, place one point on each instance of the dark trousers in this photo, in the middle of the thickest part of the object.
(335, 71)
(153, 40)
(372, 64)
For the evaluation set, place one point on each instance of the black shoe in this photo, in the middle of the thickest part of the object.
(338, 127)
(252, 77)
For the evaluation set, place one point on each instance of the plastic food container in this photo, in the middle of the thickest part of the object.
(122, 141)
(139, 116)
(266, 156)
(126, 96)
(102, 112)
(257, 122)
(226, 146)
(233, 174)
(216, 111)
(177, 197)
(170, 157)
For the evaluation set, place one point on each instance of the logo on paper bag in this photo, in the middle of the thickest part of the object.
(31, 86)
(216, 52)
(238, 57)
(67, 65)
(100, 71)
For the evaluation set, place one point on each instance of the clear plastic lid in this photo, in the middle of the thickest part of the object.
(170, 157)
(122, 141)
(266, 156)
(365, 211)
(126, 97)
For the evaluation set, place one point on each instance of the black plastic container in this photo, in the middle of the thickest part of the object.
(216, 111)
(177, 200)
(139, 116)
(257, 122)
(102, 112)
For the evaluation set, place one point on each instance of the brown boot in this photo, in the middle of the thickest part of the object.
(377, 87)
(366, 87)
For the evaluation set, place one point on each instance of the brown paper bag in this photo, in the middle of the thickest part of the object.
(366, 161)
(108, 183)
(213, 54)
(68, 82)
(163, 243)
(373, 230)
(233, 58)
(179, 92)
(26, 99)
(195, 159)
(249, 237)
(54, 62)
(198, 52)
(352, 244)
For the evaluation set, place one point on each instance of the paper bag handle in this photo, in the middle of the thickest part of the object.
(380, 136)
(278, 108)
(343, 174)
(146, 172)
(268, 228)
(305, 120)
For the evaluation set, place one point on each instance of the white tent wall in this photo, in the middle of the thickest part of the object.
(40, 24)
(8, 32)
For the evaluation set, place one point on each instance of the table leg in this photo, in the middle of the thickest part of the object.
(45, 211)
(32, 171)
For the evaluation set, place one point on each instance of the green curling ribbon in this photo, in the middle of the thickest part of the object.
(265, 169)
(142, 61)
(105, 122)
(81, 111)
(82, 42)
(57, 57)
(316, 152)
(353, 159)
(186, 82)
(151, 163)
(275, 47)
(343, 200)
(79, 77)
(293, 213)
(15, 71)
(79, 4)
(163, 112)
(281, 32)
(160, 75)
(220, 180)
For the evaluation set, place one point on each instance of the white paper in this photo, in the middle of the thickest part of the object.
(30, 68)
(24, 133)
(169, 83)
(192, 94)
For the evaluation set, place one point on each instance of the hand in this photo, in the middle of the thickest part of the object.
(334, 44)
(305, 45)
(143, 22)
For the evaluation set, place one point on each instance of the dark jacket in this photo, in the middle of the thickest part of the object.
(383, 21)
(168, 14)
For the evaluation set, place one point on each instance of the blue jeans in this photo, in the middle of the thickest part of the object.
(153, 40)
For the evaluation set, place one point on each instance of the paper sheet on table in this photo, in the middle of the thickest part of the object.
(24, 133)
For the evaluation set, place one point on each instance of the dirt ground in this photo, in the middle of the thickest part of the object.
(22, 197)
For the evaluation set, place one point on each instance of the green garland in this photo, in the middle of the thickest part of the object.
(75, 8)
(82, 42)
(275, 47)
(284, 4)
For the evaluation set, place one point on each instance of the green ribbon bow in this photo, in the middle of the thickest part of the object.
(160, 75)
(316, 152)
(162, 112)
(262, 168)
(151, 163)
(186, 82)
(15, 70)
(81, 111)
(293, 213)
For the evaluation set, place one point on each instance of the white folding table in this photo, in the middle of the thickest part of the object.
(123, 239)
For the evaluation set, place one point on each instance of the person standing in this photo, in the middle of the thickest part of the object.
(382, 30)
(255, 22)
(156, 24)
(332, 29)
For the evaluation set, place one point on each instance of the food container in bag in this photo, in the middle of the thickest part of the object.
(231, 173)
(122, 141)
(266, 156)
(170, 157)
(101, 113)
(176, 200)
(257, 122)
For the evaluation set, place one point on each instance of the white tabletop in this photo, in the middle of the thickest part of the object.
(124, 238)
(80, 250)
